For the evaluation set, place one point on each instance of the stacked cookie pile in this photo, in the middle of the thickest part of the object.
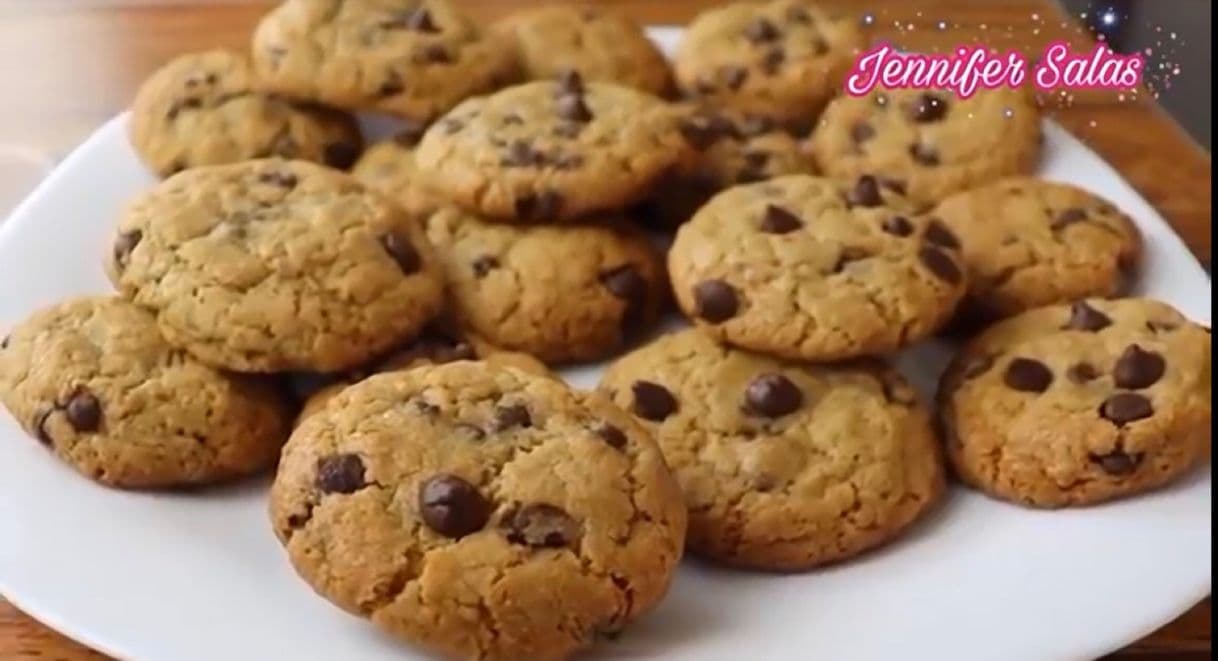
(399, 321)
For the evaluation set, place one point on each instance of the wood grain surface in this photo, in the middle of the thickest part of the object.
(66, 66)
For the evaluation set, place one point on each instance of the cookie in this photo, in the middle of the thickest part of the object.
(441, 342)
(552, 150)
(726, 149)
(479, 511)
(92, 379)
(1079, 404)
(389, 167)
(932, 143)
(782, 59)
(562, 293)
(204, 109)
(784, 466)
(797, 268)
(410, 58)
(602, 46)
(1028, 243)
(272, 265)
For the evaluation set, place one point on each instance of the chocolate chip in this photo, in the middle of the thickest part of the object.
(433, 54)
(615, 437)
(515, 415)
(1138, 368)
(392, 86)
(1125, 407)
(402, 252)
(341, 155)
(570, 82)
(513, 120)
(939, 235)
(715, 300)
(340, 473)
(652, 401)
(866, 193)
(420, 21)
(1117, 463)
(4, 342)
(1081, 373)
(847, 255)
(772, 395)
(538, 206)
(772, 61)
(541, 525)
(761, 31)
(924, 154)
(84, 411)
(1068, 217)
(124, 244)
(820, 46)
(1157, 327)
(521, 154)
(733, 77)
(927, 108)
(571, 107)
(40, 426)
(861, 132)
(898, 226)
(939, 263)
(1027, 375)
(626, 283)
(756, 159)
(484, 265)
(895, 185)
(1083, 317)
(277, 178)
(977, 366)
(778, 220)
(452, 507)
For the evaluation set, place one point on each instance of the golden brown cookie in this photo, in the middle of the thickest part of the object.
(389, 167)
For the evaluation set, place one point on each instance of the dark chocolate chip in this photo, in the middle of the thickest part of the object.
(715, 300)
(83, 411)
(484, 265)
(570, 82)
(1137, 368)
(1125, 407)
(452, 507)
(895, 185)
(512, 120)
(541, 525)
(392, 86)
(733, 77)
(924, 154)
(938, 234)
(341, 155)
(773, 60)
(402, 252)
(652, 401)
(1083, 317)
(778, 220)
(861, 132)
(866, 193)
(940, 263)
(1081, 373)
(4, 342)
(514, 415)
(420, 21)
(756, 159)
(434, 54)
(40, 426)
(340, 473)
(521, 154)
(772, 395)
(928, 108)
(898, 226)
(1068, 217)
(1117, 463)
(1027, 375)
(538, 206)
(615, 437)
(847, 255)
(820, 46)
(761, 31)
(627, 284)
(124, 244)
(571, 107)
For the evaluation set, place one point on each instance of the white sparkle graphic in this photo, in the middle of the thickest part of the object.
(942, 25)
(868, 19)
(1108, 18)
(1008, 113)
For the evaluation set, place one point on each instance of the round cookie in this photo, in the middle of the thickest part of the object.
(389, 167)
(562, 293)
(797, 268)
(479, 511)
(601, 46)
(204, 109)
(1079, 404)
(782, 59)
(784, 466)
(1028, 242)
(409, 58)
(552, 150)
(272, 265)
(92, 379)
(932, 143)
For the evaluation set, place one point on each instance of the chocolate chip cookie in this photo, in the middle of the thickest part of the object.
(410, 58)
(562, 293)
(1079, 404)
(798, 268)
(932, 143)
(1029, 242)
(274, 265)
(205, 109)
(783, 465)
(92, 380)
(389, 167)
(782, 59)
(480, 511)
(552, 150)
(600, 45)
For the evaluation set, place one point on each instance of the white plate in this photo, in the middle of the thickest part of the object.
(200, 576)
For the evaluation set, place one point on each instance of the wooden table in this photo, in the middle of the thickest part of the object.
(66, 68)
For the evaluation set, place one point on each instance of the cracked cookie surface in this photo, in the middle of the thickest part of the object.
(563, 293)
(479, 511)
(933, 143)
(92, 380)
(800, 268)
(276, 265)
(389, 166)
(783, 465)
(204, 109)
(552, 150)
(1028, 243)
(410, 58)
(782, 59)
(1078, 404)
